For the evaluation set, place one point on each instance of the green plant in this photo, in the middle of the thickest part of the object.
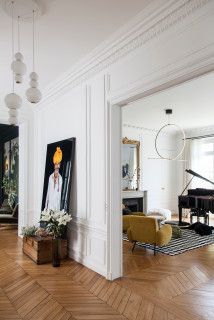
(10, 187)
(10, 179)
(29, 231)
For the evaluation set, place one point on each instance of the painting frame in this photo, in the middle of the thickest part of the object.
(58, 175)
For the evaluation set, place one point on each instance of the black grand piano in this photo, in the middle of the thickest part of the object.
(199, 200)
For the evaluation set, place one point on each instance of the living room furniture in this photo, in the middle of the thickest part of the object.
(146, 230)
(176, 232)
(160, 219)
(135, 200)
(10, 217)
(5, 208)
(126, 219)
(198, 199)
(166, 214)
(39, 249)
(199, 214)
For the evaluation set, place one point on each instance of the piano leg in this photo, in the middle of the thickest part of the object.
(180, 215)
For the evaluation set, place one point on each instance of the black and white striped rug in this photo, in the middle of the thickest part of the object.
(189, 241)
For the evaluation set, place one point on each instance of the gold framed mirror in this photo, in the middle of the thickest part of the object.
(130, 164)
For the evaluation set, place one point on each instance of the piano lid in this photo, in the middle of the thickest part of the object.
(201, 192)
(195, 174)
(198, 175)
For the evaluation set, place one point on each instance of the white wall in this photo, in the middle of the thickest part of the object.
(78, 107)
(158, 177)
(182, 177)
(72, 116)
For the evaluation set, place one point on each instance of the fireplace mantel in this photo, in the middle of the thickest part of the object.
(130, 194)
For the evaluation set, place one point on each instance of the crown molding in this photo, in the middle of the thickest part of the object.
(131, 126)
(200, 131)
(146, 26)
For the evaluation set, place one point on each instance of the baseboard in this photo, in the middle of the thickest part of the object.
(82, 259)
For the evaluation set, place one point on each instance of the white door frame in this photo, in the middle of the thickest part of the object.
(23, 169)
(164, 79)
(23, 176)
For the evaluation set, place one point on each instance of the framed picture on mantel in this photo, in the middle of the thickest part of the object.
(58, 175)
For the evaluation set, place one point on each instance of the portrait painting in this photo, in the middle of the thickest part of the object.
(58, 175)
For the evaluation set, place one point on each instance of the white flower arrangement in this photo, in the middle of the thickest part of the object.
(55, 220)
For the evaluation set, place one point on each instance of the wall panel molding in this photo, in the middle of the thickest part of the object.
(107, 82)
(87, 245)
(88, 151)
(152, 24)
(23, 175)
(87, 226)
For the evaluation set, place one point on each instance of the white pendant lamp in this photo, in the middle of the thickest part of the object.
(18, 67)
(33, 94)
(12, 100)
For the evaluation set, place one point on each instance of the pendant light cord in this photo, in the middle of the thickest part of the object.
(33, 40)
(169, 118)
(18, 33)
(12, 11)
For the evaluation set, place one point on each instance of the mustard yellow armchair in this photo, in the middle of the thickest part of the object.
(126, 219)
(146, 230)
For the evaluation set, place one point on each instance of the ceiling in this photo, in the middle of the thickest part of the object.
(65, 33)
(192, 103)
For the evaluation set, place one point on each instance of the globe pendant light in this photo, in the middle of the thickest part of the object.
(17, 66)
(12, 100)
(33, 94)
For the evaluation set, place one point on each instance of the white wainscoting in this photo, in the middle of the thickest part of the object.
(88, 246)
(164, 46)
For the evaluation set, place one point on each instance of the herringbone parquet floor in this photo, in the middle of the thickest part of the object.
(153, 288)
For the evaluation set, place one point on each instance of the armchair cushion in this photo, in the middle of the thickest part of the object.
(142, 229)
(164, 235)
(126, 219)
(126, 223)
(146, 230)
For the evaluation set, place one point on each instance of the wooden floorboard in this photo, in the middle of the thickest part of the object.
(153, 287)
(32, 292)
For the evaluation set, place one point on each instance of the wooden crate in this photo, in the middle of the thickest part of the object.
(40, 249)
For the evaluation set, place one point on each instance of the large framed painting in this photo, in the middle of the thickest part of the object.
(58, 175)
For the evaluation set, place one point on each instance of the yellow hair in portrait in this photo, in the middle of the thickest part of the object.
(57, 158)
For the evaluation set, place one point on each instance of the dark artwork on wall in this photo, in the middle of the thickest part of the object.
(58, 175)
(125, 170)
(10, 181)
(8, 161)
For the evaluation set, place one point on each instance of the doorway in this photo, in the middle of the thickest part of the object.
(9, 176)
(162, 181)
(114, 134)
(23, 132)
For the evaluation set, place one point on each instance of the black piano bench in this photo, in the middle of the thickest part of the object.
(199, 214)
